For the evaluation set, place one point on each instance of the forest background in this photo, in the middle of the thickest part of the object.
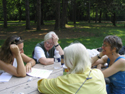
(87, 21)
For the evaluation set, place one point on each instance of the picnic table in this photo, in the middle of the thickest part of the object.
(24, 85)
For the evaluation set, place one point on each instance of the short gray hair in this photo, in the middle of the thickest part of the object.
(49, 35)
(114, 41)
(76, 58)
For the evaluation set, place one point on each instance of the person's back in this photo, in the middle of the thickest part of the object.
(71, 83)
(81, 79)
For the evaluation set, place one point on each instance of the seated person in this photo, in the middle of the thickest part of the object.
(115, 70)
(80, 79)
(12, 57)
(44, 51)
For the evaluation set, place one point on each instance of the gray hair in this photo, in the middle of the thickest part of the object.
(49, 35)
(114, 41)
(76, 58)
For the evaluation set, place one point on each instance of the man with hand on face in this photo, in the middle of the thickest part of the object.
(44, 51)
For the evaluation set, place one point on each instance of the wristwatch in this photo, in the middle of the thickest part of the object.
(56, 45)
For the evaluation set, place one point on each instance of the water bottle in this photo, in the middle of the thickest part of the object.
(57, 60)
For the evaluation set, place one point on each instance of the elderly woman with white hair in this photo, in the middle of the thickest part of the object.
(81, 79)
(44, 51)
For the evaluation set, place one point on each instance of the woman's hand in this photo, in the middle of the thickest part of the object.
(14, 49)
(28, 67)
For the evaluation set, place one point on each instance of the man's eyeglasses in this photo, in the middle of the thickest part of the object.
(49, 43)
(17, 41)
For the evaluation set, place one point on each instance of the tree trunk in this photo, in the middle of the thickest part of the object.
(89, 12)
(57, 15)
(113, 19)
(73, 6)
(20, 11)
(72, 12)
(100, 16)
(74, 17)
(27, 15)
(64, 14)
(42, 3)
(38, 15)
(96, 17)
(34, 11)
(5, 13)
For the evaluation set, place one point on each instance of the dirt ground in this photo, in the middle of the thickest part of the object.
(33, 34)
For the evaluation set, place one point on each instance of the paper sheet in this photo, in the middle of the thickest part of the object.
(42, 73)
(5, 77)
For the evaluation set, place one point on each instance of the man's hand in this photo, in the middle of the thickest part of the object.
(55, 39)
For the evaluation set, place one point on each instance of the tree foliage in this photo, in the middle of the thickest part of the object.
(76, 10)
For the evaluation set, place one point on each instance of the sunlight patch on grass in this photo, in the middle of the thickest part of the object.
(87, 27)
(44, 29)
(23, 24)
(14, 32)
(70, 41)
(88, 39)
(34, 28)
(69, 25)
(42, 34)
(79, 26)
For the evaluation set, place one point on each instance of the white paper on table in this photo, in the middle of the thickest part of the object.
(42, 73)
(5, 77)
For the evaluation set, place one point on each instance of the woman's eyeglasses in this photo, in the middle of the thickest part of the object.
(104, 45)
(16, 40)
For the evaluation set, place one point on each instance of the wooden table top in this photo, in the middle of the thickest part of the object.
(23, 85)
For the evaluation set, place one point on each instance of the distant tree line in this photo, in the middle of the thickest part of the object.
(61, 11)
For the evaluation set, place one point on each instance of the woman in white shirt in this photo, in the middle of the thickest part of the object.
(12, 57)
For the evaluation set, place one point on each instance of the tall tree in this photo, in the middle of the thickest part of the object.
(5, 13)
(38, 14)
(42, 3)
(88, 11)
(64, 13)
(20, 10)
(57, 15)
(73, 9)
(96, 18)
(27, 15)
(100, 16)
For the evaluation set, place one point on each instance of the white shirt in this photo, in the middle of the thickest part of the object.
(92, 52)
(14, 64)
(39, 52)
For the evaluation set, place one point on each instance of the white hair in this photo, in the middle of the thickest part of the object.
(49, 35)
(76, 58)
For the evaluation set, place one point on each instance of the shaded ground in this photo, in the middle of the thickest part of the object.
(33, 34)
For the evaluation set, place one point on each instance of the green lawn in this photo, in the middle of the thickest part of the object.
(96, 33)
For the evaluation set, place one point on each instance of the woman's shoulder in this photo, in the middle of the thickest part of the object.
(122, 56)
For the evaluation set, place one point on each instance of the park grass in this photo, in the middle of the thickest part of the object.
(95, 33)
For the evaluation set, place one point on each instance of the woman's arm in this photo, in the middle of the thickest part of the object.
(29, 62)
(119, 65)
(95, 58)
(20, 71)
